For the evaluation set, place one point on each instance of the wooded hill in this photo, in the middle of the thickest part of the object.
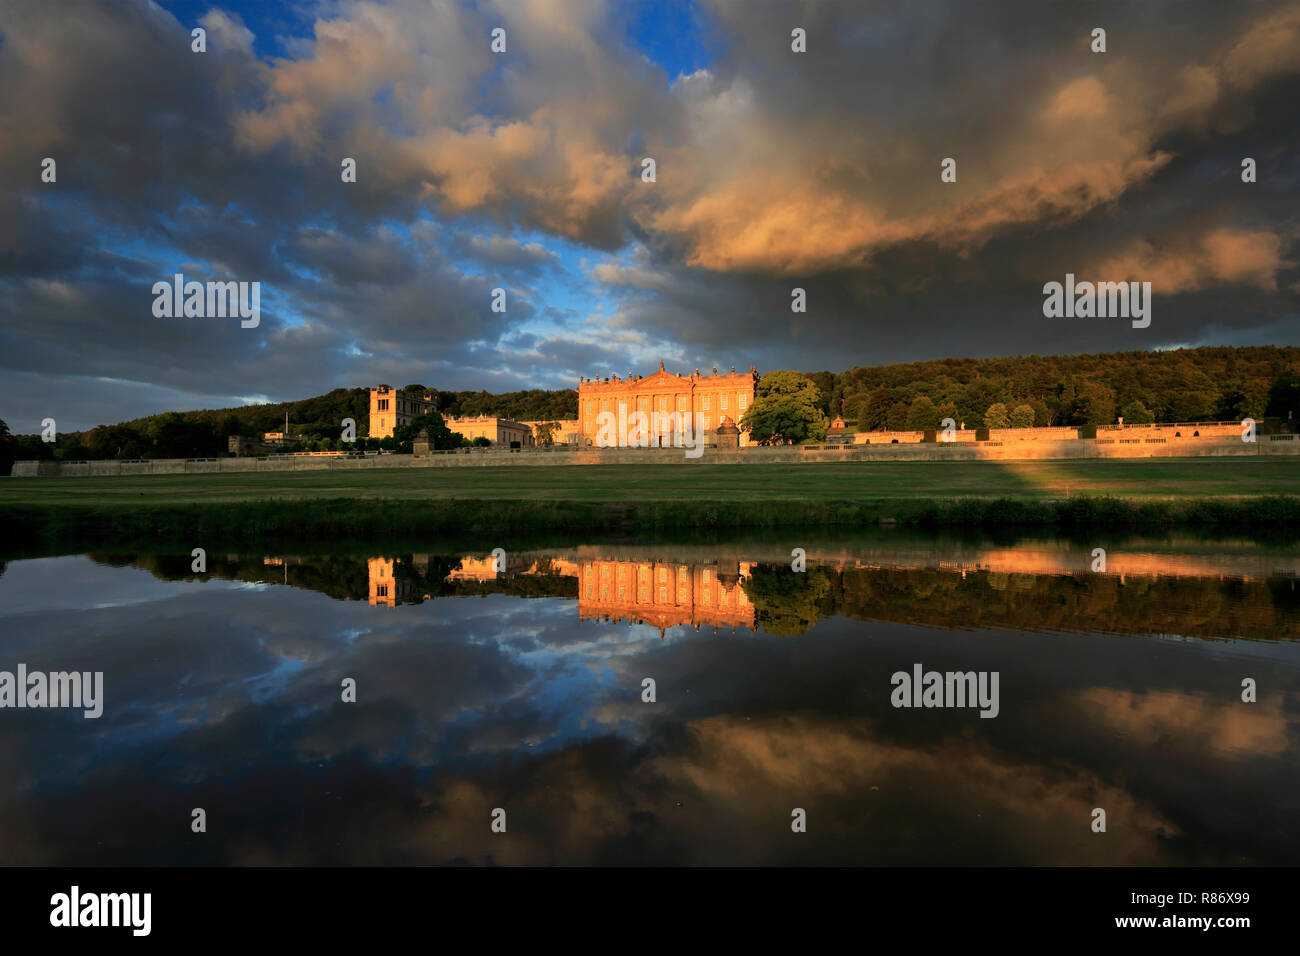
(1204, 384)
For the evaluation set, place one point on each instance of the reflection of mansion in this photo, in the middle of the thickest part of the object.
(664, 594)
(708, 399)
(486, 569)
(386, 589)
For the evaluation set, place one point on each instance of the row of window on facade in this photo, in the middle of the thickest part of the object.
(403, 407)
(643, 404)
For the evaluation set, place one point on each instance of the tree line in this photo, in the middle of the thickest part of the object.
(1203, 384)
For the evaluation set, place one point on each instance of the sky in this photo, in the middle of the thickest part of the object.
(522, 170)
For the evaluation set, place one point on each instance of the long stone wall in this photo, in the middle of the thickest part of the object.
(489, 457)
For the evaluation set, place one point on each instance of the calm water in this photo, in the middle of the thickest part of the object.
(521, 689)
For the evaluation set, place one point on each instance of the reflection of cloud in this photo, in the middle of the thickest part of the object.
(1189, 722)
(1030, 812)
(231, 695)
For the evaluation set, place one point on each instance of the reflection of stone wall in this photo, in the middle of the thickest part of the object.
(664, 594)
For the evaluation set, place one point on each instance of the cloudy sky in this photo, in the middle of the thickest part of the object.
(522, 170)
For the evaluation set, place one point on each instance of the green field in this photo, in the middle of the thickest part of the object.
(1147, 479)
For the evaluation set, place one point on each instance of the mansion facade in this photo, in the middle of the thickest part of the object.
(708, 399)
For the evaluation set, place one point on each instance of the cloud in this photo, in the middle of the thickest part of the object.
(1221, 256)
(774, 169)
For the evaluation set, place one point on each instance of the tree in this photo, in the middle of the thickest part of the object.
(1284, 398)
(1135, 413)
(481, 441)
(873, 411)
(948, 410)
(1094, 404)
(1022, 416)
(786, 408)
(996, 416)
(117, 441)
(896, 417)
(8, 449)
(177, 436)
(788, 604)
(440, 436)
(922, 416)
(545, 432)
(825, 382)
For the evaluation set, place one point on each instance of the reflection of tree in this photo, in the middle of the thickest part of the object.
(1195, 607)
(787, 603)
(343, 578)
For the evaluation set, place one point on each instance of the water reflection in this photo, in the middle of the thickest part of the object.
(484, 684)
(1236, 590)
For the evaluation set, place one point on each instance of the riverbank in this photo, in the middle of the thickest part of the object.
(263, 523)
(1253, 495)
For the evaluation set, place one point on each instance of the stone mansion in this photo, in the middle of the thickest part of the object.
(709, 399)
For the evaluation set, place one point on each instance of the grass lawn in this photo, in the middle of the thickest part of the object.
(1145, 479)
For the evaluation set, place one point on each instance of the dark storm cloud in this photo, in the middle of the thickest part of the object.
(775, 170)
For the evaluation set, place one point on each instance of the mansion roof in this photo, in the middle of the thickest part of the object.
(667, 381)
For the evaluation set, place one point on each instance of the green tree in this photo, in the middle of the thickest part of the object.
(896, 418)
(996, 416)
(787, 604)
(786, 408)
(178, 436)
(440, 436)
(117, 441)
(949, 410)
(825, 382)
(1135, 413)
(922, 416)
(1022, 416)
(873, 411)
(1284, 398)
(1094, 404)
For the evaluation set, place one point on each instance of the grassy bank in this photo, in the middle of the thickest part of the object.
(1248, 494)
(1142, 479)
(236, 524)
